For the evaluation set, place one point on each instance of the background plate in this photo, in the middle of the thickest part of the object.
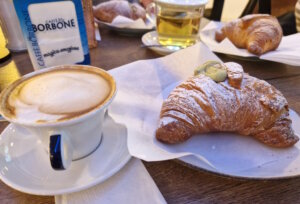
(124, 31)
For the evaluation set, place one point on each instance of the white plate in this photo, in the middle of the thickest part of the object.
(241, 156)
(124, 31)
(25, 166)
(150, 39)
(142, 87)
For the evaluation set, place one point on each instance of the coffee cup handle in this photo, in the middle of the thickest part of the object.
(151, 13)
(60, 151)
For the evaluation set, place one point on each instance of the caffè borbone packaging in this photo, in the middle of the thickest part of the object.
(54, 31)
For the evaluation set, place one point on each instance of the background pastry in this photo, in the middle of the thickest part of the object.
(107, 11)
(258, 33)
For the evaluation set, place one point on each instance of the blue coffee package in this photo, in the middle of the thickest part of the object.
(54, 31)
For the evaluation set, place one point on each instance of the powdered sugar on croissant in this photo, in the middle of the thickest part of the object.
(241, 104)
(258, 33)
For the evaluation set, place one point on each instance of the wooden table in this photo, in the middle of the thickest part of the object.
(180, 184)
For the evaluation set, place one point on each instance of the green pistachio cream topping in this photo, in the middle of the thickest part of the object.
(213, 69)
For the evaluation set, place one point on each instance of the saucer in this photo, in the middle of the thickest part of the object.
(25, 165)
(150, 40)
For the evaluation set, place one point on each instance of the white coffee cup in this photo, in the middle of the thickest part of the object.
(66, 136)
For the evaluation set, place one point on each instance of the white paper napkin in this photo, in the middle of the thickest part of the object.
(132, 185)
(143, 85)
(288, 51)
(124, 22)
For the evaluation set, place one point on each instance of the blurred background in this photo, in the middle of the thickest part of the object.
(233, 8)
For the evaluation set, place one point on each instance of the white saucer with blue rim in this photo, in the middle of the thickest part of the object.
(25, 165)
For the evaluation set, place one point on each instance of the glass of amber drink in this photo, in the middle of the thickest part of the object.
(177, 21)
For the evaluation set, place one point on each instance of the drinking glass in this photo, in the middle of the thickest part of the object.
(177, 21)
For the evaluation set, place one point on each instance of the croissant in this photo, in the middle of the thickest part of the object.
(242, 104)
(258, 33)
(107, 11)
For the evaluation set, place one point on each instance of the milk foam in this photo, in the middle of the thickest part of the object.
(57, 95)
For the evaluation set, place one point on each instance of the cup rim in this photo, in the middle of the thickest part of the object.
(187, 4)
(4, 94)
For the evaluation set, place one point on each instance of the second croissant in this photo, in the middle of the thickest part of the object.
(258, 33)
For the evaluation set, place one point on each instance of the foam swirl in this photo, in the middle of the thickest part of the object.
(58, 95)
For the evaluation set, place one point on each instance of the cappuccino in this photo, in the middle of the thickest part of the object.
(57, 94)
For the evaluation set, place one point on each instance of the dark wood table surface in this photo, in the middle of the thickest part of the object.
(178, 183)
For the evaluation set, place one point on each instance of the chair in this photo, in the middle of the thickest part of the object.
(216, 12)
(287, 21)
